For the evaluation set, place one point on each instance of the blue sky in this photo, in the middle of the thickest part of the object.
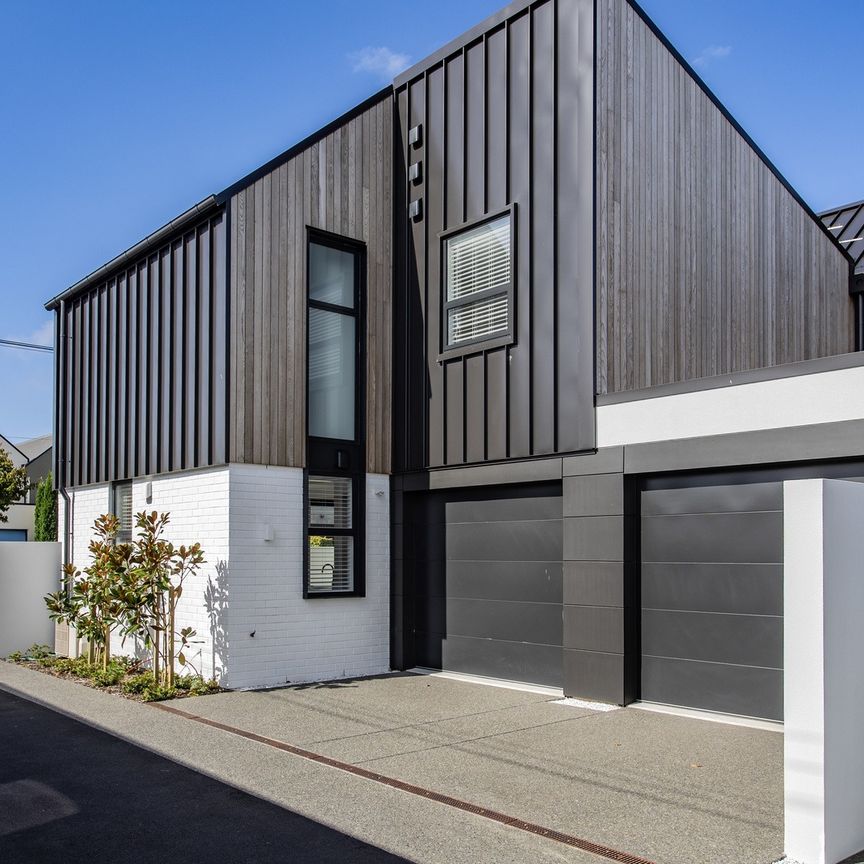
(118, 116)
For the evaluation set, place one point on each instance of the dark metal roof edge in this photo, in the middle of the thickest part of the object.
(466, 38)
(137, 250)
(307, 142)
(833, 211)
(735, 124)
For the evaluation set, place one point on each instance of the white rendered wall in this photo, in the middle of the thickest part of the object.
(824, 685)
(28, 571)
(821, 397)
(299, 640)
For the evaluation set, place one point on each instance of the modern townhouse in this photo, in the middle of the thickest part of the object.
(499, 373)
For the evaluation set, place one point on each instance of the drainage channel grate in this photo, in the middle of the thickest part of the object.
(410, 788)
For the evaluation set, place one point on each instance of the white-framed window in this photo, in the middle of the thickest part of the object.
(478, 283)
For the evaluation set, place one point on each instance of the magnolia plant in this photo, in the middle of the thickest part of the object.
(134, 587)
(94, 601)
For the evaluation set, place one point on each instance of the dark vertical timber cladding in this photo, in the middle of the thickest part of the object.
(495, 136)
(339, 182)
(142, 371)
(707, 263)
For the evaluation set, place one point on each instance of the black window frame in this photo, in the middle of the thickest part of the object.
(121, 532)
(334, 457)
(480, 343)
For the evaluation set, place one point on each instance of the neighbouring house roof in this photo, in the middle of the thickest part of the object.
(35, 446)
(18, 458)
(846, 223)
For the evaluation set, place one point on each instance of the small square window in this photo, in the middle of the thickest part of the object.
(478, 297)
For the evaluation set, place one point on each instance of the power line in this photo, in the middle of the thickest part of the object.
(26, 346)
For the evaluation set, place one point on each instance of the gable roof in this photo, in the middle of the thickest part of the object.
(17, 457)
(34, 447)
(846, 223)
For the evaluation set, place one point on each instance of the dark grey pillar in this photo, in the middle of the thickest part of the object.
(594, 557)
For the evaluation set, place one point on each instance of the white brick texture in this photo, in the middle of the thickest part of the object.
(253, 585)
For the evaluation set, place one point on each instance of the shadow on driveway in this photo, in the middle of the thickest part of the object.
(69, 792)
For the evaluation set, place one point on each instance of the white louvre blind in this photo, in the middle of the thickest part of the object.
(331, 554)
(331, 563)
(479, 259)
(123, 508)
(478, 319)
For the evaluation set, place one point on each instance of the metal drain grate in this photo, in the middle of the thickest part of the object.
(410, 788)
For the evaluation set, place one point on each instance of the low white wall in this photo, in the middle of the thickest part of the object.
(821, 397)
(824, 684)
(28, 571)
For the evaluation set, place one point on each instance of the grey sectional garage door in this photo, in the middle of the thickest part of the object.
(488, 583)
(712, 597)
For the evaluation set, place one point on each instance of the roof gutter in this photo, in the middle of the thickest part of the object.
(140, 248)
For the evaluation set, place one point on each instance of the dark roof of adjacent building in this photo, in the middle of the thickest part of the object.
(847, 225)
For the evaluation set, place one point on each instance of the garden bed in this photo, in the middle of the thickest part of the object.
(124, 676)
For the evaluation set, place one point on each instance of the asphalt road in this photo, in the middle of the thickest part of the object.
(71, 793)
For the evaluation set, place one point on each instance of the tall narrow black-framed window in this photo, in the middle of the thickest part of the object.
(121, 507)
(478, 284)
(335, 418)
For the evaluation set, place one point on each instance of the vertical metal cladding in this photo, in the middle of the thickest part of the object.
(142, 364)
(507, 120)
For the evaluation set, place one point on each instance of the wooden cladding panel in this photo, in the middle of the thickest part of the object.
(342, 184)
(507, 121)
(143, 365)
(706, 263)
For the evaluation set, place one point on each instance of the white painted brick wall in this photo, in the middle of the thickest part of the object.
(300, 640)
(253, 585)
(197, 502)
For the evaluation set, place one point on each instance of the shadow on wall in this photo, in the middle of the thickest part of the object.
(216, 603)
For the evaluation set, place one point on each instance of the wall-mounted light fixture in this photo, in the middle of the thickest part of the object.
(415, 135)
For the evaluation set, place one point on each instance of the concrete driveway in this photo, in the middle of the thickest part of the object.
(669, 789)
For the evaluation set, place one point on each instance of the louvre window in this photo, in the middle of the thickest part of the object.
(479, 290)
(123, 510)
(330, 535)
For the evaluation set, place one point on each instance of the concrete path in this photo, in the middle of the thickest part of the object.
(668, 789)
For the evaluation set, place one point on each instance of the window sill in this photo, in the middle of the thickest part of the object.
(470, 348)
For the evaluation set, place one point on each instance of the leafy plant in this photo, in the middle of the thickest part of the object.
(96, 601)
(45, 511)
(157, 571)
(15, 657)
(14, 484)
(37, 651)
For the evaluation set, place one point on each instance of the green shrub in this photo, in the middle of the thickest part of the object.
(15, 657)
(138, 683)
(37, 652)
(45, 511)
(109, 677)
(158, 694)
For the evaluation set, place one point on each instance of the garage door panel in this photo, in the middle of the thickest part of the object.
(745, 690)
(534, 540)
(515, 507)
(713, 499)
(721, 537)
(514, 661)
(755, 640)
(541, 581)
(745, 588)
(489, 582)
